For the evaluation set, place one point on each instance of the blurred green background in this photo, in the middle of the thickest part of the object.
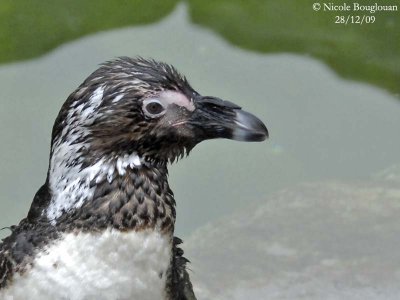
(368, 52)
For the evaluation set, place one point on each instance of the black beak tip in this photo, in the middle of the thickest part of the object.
(249, 128)
(262, 135)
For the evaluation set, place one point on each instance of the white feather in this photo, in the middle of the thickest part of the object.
(105, 266)
(71, 186)
(119, 97)
(69, 183)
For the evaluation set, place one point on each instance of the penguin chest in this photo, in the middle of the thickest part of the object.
(105, 265)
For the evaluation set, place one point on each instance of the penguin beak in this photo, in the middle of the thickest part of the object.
(248, 128)
(216, 118)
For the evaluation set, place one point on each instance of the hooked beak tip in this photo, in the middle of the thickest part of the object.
(248, 128)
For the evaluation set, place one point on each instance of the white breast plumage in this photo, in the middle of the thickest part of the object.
(107, 265)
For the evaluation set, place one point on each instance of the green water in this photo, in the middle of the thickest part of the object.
(367, 52)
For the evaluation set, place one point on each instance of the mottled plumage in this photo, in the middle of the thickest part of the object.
(101, 227)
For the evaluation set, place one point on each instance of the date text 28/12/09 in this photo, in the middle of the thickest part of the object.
(349, 19)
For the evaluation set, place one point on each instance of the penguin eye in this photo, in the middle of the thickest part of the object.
(153, 108)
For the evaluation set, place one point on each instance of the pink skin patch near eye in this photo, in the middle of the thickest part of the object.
(171, 97)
